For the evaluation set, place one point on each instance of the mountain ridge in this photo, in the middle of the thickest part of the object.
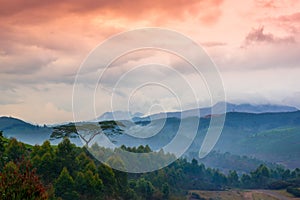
(272, 137)
(201, 112)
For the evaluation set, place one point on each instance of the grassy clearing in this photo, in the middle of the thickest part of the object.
(240, 195)
(260, 196)
(220, 195)
(284, 193)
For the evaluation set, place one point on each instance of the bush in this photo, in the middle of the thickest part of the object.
(196, 196)
(19, 181)
(293, 191)
(277, 185)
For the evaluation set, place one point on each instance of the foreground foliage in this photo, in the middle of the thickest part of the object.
(69, 172)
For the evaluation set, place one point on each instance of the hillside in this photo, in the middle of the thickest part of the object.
(269, 137)
(23, 131)
(273, 137)
(28, 133)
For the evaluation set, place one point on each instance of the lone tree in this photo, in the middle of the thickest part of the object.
(87, 131)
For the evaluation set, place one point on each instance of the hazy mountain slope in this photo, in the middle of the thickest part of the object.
(255, 135)
(118, 115)
(28, 133)
(272, 137)
(227, 161)
(23, 131)
(280, 145)
(218, 109)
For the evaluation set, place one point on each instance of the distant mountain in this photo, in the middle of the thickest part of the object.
(23, 131)
(118, 115)
(272, 136)
(218, 109)
(198, 112)
(265, 108)
(26, 132)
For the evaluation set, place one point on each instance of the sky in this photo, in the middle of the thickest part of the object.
(254, 44)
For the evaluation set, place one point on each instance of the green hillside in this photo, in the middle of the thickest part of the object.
(268, 137)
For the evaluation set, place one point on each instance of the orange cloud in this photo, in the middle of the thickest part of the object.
(33, 11)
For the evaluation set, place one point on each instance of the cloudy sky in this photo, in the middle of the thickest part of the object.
(254, 43)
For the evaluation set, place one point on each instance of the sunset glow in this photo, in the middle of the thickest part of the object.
(254, 43)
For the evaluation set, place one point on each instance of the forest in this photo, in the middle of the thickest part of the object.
(68, 172)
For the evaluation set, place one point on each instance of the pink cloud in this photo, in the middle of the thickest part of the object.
(257, 35)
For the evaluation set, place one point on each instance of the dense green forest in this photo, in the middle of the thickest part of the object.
(69, 172)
